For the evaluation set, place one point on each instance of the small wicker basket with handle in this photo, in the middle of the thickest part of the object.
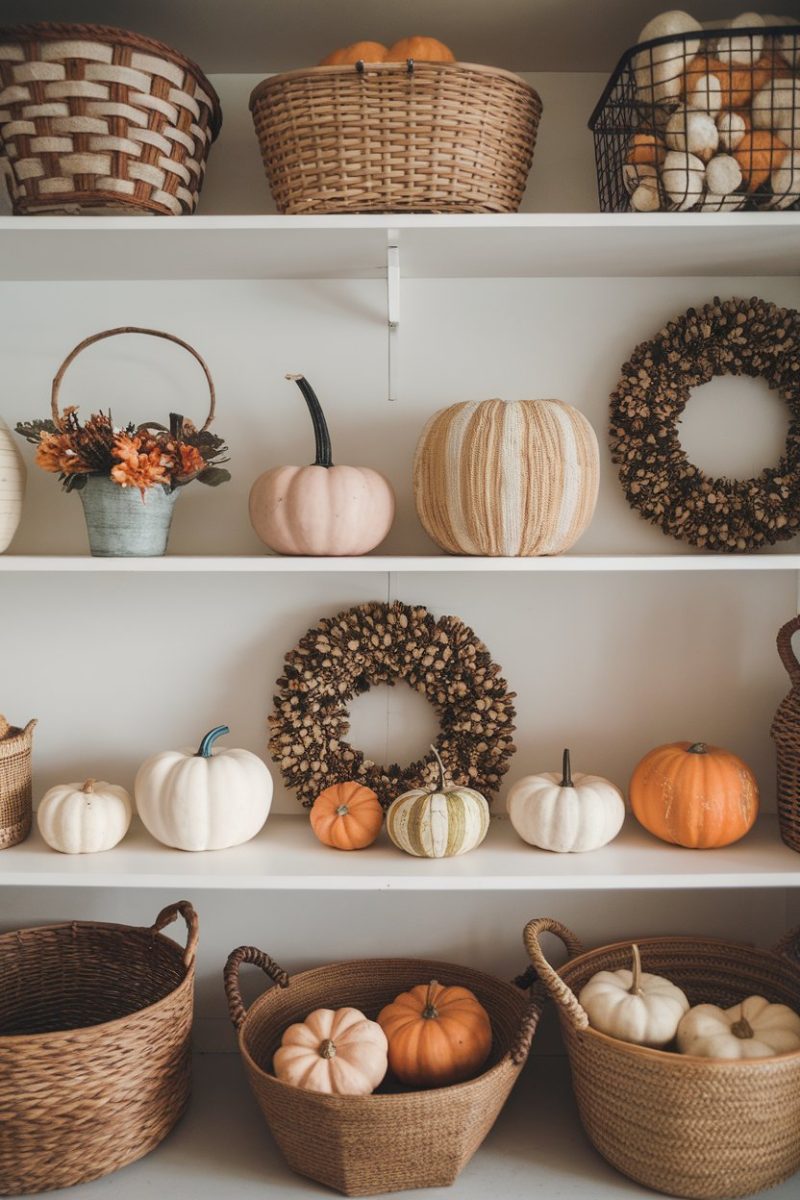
(16, 804)
(95, 1033)
(786, 735)
(697, 1127)
(364, 1145)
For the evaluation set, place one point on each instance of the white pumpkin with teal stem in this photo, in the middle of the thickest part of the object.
(438, 822)
(208, 799)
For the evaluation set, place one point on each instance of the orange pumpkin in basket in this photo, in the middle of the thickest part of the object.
(347, 816)
(437, 1035)
(368, 52)
(421, 49)
(694, 795)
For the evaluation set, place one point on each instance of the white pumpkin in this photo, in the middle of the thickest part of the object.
(207, 799)
(12, 486)
(566, 812)
(84, 818)
(634, 1006)
(753, 1029)
(336, 1051)
(438, 822)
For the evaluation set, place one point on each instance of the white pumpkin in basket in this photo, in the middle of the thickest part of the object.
(86, 818)
(753, 1029)
(208, 799)
(634, 1006)
(566, 812)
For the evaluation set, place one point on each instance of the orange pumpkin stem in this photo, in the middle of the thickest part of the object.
(430, 1012)
(342, 810)
(698, 748)
(636, 983)
(327, 1049)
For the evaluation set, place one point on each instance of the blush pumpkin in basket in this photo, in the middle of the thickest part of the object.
(336, 1051)
(694, 795)
(437, 1035)
(347, 816)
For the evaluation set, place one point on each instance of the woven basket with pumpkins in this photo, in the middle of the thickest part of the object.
(398, 129)
(381, 1074)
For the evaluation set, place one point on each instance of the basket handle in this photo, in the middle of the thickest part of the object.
(787, 654)
(789, 945)
(168, 915)
(552, 982)
(5, 726)
(107, 333)
(248, 954)
(521, 1045)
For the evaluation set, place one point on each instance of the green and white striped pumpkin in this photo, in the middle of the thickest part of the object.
(438, 822)
(506, 479)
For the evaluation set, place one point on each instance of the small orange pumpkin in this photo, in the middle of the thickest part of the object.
(421, 49)
(368, 52)
(694, 795)
(347, 816)
(437, 1035)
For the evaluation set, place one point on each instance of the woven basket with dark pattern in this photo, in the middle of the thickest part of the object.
(697, 1127)
(94, 117)
(95, 1033)
(786, 735)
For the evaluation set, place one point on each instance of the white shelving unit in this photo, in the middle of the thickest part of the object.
(623, 642)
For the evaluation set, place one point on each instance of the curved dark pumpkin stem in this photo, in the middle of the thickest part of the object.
(566, 771)
(208, 741)
(322, 437)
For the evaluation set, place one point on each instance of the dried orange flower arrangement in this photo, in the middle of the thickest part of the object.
(139, 456)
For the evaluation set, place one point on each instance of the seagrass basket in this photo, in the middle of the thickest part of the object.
(688, 1126)
(393, 1139)
(396, 137)
(16, 804)
(95, 1027)
(786, 735)
(93, 117)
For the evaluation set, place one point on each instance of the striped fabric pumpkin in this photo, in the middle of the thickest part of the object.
(506, 479)
(438, 824)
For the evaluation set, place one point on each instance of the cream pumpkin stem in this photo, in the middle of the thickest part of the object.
(430, 1012)
(88, 787)
(636, 982)
(742, 1028)
(322, 438)
(566, 771)
(442, 776)
(327, 1049)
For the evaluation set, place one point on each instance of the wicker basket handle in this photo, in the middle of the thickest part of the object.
(552, 982)
(107, 333)
(787, 654)
(248, 954)
(789, 945)
(521, 1045)
(167, 915)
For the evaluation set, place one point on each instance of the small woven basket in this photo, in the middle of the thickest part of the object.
(95, 1028)
(688, 1126)
(16, 804)
(396, 137)
(94, 117)
(786, 735)
(364, 1145)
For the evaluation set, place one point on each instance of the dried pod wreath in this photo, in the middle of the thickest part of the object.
(730, 337)
(371, 644)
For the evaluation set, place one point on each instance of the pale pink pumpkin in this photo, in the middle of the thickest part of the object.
(321, 509)
(337, 1051)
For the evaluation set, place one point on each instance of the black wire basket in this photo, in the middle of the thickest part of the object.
(707, 121)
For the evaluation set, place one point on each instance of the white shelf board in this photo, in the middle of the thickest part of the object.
(222, 1148)
(397, 563)
(287, 856)
(431, 246)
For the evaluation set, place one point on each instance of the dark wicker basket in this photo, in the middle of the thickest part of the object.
(703, 1128)
(392, 1140)
(786, 735)
(95, 1032)
(746, 87)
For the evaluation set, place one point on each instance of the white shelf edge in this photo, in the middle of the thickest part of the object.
(398, 563)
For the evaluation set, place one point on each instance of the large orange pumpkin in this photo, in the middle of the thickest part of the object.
(437, 1035)
(421, 49)
(694, 795)
(347, 816)
(368, 52)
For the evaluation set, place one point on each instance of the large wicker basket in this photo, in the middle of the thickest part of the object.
(363, 1145)
(396, 137)
(688, 1126)
(94, 117)
(786, 735)
(95, 1027)
(16, 800)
